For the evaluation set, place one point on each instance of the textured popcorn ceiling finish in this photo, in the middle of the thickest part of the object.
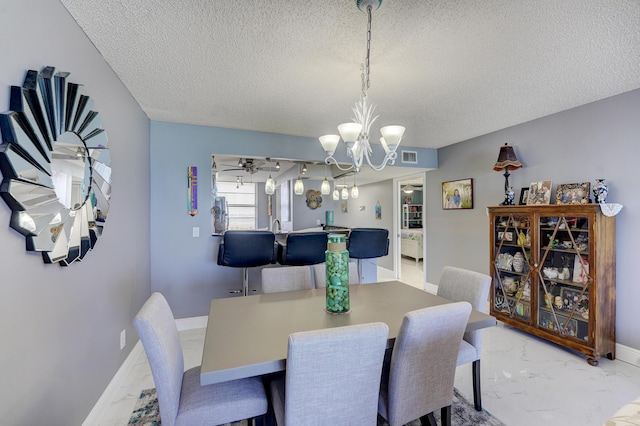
(447, 70)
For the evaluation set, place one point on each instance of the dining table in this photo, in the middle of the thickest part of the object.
(248, 336)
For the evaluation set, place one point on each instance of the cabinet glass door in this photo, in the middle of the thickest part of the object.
(512, 274)
(564, 277)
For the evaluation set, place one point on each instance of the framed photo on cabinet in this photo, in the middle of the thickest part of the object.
(573, 193)
(539, 193)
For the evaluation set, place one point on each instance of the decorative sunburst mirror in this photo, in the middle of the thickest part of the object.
(55, 166)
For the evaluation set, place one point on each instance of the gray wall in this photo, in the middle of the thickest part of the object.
(60, 327)
(598, 140)
(369, 196)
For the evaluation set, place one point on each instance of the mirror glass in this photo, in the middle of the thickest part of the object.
(55, 166)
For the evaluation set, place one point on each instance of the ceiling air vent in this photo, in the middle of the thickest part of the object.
(410, 157)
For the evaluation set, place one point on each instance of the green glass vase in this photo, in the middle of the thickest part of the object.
(337, 279)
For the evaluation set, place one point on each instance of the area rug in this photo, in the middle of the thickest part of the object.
(146, 413)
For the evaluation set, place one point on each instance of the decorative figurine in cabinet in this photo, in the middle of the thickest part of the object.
(565, 289)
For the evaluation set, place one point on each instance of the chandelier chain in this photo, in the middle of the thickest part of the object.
(365, 76)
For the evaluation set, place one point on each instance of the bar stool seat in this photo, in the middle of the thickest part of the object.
(303, 248)
(247, 249)
(367, 243)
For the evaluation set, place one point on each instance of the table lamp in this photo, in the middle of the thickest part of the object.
(507, 161)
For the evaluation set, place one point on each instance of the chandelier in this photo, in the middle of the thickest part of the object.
(356, 134)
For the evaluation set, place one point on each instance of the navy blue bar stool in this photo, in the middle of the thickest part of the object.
(367, 243)
(247, 249)
(303, 248)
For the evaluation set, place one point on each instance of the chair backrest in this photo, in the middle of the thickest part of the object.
(303, 248)
(247, 248)
(333, 375)
(286, 278)
(367, 243)
(320, 274)
(423, 361)
(459, 285)
(159, 335)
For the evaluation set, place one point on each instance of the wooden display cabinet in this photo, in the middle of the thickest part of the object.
(554, 274)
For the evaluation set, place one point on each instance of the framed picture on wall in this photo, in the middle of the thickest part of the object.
(457, 194)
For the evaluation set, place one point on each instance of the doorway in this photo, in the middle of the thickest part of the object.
(411, 230)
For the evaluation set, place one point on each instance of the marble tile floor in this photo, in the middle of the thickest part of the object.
(525, 381)
(411, 273)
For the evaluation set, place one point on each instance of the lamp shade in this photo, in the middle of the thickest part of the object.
(298, 187)
(350, 131)
(507, 159)
(355, 192)
(336, 195)
(270, 186)
(392, 136)
(329, 143)
(344, 193)
(325, 187)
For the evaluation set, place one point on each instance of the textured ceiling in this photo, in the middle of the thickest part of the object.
(447, 70)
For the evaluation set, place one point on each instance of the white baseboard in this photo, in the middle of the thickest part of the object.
(107, 397)
(628, 355)
(192, 323)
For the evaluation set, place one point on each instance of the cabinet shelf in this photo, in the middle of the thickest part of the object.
(412, 216)
(575, 242)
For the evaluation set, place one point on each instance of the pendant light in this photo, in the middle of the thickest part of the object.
(325, 187)
(354, 191)
(298, 187)
(270, 184)
(345, 191)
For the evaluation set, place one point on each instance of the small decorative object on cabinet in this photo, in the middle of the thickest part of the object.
(565, 290)
(412, 216)
(600, 190)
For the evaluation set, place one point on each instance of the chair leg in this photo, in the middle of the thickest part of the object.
(359, 271)
(245, 281)
(445, 416)
(477, 395)
(428, 420)
(258, 421)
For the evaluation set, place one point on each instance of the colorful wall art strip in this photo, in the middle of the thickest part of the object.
(193, 190)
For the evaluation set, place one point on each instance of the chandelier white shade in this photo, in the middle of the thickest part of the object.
(356, 134)
(336, 194)
(344, 193)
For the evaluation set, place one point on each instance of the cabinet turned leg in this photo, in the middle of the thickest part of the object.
(592, 362)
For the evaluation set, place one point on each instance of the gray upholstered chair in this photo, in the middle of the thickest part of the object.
(332, 377)
(286, 278)
(463, 285)
(181, 399)
(320, 274)
(418, 376)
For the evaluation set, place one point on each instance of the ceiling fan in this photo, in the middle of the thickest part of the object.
(249, 165)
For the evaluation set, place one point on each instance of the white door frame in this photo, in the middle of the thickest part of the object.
(397, 205)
